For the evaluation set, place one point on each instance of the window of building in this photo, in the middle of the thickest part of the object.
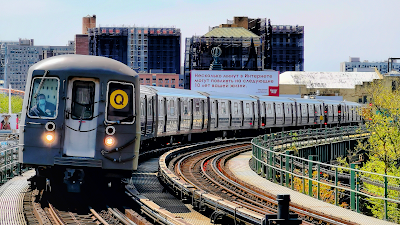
(160, 80)
(167, 80)
(173, 86)
(166, 85)
(173, 81)
(147, 80)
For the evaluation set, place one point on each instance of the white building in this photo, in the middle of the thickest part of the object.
(355, 65)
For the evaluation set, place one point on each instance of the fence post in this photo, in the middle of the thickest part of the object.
(287, 167)
(386, 195)
(270, 153)
(352, 187)
(336, 184)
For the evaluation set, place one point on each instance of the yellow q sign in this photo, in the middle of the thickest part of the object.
(119, 99)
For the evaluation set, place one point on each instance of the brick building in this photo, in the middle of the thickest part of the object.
(170, 80)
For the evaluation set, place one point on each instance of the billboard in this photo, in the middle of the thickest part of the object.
(9, 122)
(243, 82)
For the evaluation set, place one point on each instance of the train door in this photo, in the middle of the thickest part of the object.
(275, 112)
(263, 111)
(150, 115)
(252, 109)
(299, 116)
(230, 112)
(215, 112)
(145, 114)
(191, 104)
(292, 113)
(142, 116)
(81, 118)
(165, 114)
(179, 111)
(242, 112)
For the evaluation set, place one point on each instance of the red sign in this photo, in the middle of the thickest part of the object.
(110, 31)
(274, 91)
(103, 31)
(151, 31)
(117, 31)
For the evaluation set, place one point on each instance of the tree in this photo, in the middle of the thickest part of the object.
(382, 116)
(16, 103)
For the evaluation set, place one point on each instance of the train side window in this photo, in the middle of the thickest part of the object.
(44, 102)
(120, 102)
(223, 108)
(82, 100)
(235, 108)
(197, 107)
(185, 108)
(278, 109)
(150, 107)
(172, 107)
(269, 109)
(142, 107)
(247, 108)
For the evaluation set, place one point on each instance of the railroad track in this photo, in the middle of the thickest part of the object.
(39, 210)
(203, 172)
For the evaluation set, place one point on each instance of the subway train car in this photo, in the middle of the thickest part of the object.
(86, 118)
(79, 120)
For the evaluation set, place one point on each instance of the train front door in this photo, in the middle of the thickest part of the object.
(81, 117)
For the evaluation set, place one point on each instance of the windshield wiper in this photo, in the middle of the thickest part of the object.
(41, 83)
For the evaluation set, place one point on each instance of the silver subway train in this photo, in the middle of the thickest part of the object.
(87, 118)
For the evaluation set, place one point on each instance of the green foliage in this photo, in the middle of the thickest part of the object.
(16, 103)
(382, 120)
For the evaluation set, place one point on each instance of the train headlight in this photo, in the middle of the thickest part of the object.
(49, 137)
(109, 141)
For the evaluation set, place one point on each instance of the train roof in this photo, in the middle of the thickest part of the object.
(83, 63)
(273, 98)
(305, 100)
(163, 91)
(225, 95)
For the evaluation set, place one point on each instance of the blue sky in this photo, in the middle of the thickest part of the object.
(334, 30)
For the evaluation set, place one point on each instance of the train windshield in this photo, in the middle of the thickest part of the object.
(120, 103)
(44, 98)
(82, 100)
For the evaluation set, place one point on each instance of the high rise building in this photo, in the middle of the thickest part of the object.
(19, 56)
(263, 46)
(144, 49)
(355, 65)
(3, 50)
(282, 45)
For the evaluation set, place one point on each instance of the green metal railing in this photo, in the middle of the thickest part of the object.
(9, 165)
(274, 158)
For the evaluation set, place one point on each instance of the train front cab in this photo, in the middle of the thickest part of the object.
(88, 124)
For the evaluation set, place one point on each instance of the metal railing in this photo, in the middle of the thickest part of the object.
(273, 157)
(9, 164)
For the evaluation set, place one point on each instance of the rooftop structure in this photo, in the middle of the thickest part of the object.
(355, 64)
(331, 80)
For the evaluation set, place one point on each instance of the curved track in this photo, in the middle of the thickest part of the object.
(205, 170)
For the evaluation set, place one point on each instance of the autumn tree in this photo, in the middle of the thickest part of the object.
(382, 116)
